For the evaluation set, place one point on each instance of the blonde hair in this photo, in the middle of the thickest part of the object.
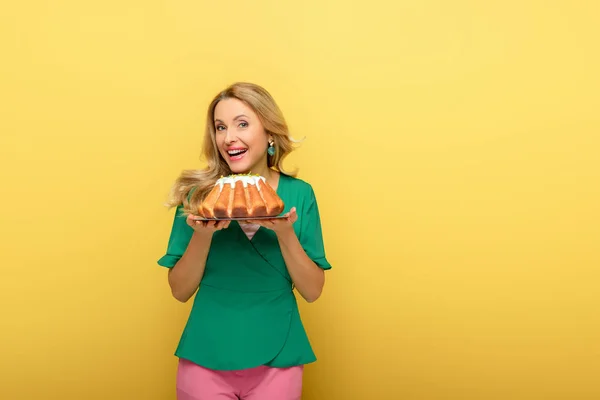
(192, 186)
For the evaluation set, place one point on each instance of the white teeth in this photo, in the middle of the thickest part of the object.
(235, 152)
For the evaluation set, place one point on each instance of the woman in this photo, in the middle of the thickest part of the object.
(244, 338)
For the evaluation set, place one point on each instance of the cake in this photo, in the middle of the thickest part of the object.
(241, 196)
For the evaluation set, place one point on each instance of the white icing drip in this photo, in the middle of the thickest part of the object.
(245, 179)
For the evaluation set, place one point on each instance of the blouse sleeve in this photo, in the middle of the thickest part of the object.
(180, 236)
(311, 236)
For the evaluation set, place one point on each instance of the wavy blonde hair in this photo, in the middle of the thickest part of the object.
(192, 186)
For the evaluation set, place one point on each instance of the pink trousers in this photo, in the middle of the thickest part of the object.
(261, 383)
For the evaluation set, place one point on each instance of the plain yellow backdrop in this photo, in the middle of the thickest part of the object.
(453, 145)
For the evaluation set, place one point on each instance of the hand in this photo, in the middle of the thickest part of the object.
(206, 227)
(279, 225)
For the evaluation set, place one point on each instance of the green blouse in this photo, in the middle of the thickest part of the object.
(245, 313)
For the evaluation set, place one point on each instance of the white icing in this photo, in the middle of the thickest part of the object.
(245, 179)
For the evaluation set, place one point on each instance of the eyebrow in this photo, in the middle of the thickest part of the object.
(235, 119)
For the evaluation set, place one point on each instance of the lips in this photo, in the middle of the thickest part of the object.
(236, 154)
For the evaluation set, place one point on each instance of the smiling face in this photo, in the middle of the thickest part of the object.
(240, 137)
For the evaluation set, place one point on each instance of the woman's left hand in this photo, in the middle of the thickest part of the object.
(279, 225)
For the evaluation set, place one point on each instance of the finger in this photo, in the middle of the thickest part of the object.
(190, 220)
(195, 222)
(224, 224)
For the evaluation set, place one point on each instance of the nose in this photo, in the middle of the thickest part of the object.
(229, 137)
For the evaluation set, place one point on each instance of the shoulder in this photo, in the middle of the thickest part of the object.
(296, 184)
(297, 193)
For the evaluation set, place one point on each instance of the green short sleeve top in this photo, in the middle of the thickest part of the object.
(245, 313)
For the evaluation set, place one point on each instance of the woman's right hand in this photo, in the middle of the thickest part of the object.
(206, 227)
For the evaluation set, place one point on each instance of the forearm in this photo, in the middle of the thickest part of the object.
(306, 275)
(185, 276)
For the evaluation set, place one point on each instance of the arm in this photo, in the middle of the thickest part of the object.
(186, 274)
(304, 255)
(308, 278)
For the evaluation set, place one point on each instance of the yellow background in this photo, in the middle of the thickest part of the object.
(453, 146)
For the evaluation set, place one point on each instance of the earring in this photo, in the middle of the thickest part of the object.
(271, 149)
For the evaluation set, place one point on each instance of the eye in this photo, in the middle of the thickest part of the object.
(220, 127)
(243, 124)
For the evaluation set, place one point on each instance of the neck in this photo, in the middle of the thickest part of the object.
(270, 175)
(264, 171)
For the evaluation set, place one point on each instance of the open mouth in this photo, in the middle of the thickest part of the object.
(236, 154)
